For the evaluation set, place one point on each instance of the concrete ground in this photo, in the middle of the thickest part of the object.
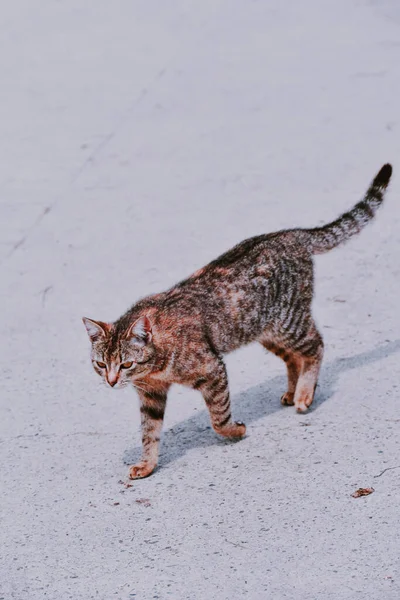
(138, 141)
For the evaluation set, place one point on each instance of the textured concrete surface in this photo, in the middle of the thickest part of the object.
(138, 141)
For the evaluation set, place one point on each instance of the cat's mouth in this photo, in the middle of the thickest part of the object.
(117, 385)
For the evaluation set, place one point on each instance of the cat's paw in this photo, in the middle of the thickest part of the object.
(303, 405)
(238, 429)
(142, 469)
(234, 430)
(287, 399)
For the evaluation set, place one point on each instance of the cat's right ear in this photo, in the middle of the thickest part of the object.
(95, 329)
(141, 331)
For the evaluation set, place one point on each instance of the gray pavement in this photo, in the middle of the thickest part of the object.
(138, 141)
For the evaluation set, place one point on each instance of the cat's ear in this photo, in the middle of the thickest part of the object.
(141, 330)
(95, 329)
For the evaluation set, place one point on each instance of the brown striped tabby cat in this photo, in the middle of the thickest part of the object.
(261, 290)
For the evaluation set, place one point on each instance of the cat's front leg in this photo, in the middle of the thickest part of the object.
(152, 409)
(215, 390)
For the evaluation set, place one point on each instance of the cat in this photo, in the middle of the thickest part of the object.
(261, 290)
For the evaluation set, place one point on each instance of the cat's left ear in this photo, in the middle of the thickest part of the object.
(95, 329)
(141, 330)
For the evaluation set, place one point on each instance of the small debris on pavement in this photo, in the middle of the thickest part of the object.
(362, 492)
(127, 485)
(144, 501)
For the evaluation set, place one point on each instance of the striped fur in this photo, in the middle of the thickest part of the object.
(260, 290)
(323, 239)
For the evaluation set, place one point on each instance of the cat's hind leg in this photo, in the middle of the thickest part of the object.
(293, 366)
(310, 348)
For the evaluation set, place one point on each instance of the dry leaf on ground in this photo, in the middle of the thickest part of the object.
(362, 492)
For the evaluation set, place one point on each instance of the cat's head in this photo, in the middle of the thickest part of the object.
(121, 356)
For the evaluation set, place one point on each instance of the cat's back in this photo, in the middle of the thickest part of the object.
(249, 270)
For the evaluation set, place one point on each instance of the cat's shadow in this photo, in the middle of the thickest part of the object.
(254, 404)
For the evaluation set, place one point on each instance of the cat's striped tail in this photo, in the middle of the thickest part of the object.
(323, 239)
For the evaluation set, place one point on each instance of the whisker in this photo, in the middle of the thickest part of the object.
(147, 391)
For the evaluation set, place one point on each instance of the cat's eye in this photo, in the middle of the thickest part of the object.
(127, 365)
(100, 364)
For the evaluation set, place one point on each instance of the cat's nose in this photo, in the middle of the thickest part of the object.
(112, 378)
(112, 374)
